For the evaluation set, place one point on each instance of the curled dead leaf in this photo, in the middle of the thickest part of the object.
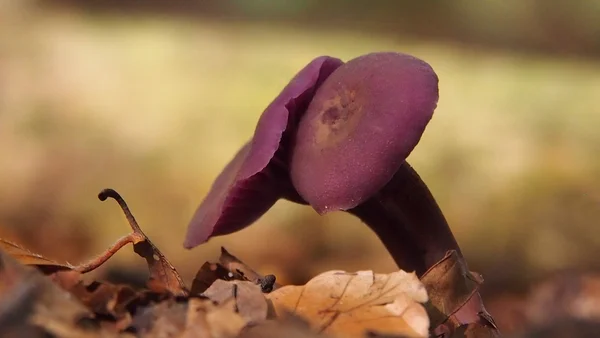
(455, 305)
(230, 268)
(234, 264)
(211, 272)
(163, 275)
(352, 304)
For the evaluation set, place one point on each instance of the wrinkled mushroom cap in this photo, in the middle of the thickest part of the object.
(362, 123)
(258, 175)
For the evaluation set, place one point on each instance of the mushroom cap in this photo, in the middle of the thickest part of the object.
(362, 123)
(258, 175)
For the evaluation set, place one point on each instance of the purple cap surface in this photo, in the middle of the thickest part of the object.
(362, 123)
(258, 175)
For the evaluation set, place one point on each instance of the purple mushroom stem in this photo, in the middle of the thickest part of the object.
(407, 219)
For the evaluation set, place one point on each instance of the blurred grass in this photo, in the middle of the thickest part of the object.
(155, 107)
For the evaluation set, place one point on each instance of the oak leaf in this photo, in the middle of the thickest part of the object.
(352, 304)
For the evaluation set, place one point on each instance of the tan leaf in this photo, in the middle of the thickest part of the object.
(26, 257)
(249, 300)
(352, 304)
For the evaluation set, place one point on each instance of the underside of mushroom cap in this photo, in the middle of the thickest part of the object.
(362, 123)
(258, 175)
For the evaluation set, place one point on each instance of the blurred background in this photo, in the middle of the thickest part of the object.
(153, 98)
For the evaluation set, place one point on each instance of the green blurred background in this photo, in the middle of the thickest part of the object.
(153, 98)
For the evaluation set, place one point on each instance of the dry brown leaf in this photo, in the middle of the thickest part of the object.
(233, 264)
(32, 306)
(209, 273)
(249, 300)
(163, 275)
(107, 300)
(352, 304)
(449, 286)
(454, 305)
(27, 257)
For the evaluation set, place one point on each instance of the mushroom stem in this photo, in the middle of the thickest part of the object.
(409, 222)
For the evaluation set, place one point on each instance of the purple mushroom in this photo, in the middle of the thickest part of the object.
(337, 138)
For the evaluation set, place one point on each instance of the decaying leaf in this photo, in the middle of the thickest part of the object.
(230, 268)
(163, 275)
(114, 303)
(352, 304)
(32, 306)
(454, 301)
(233, 264)
(27, 257)
(249, 300)
(209, 273)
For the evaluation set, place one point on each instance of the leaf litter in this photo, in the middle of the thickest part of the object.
(40, 297)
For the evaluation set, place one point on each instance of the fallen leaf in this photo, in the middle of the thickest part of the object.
(163, 275)
(26, 257)
(233, 264)
(454, 300)
(209, 273)
(32, 306)
(352, 304)
(249, 300)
